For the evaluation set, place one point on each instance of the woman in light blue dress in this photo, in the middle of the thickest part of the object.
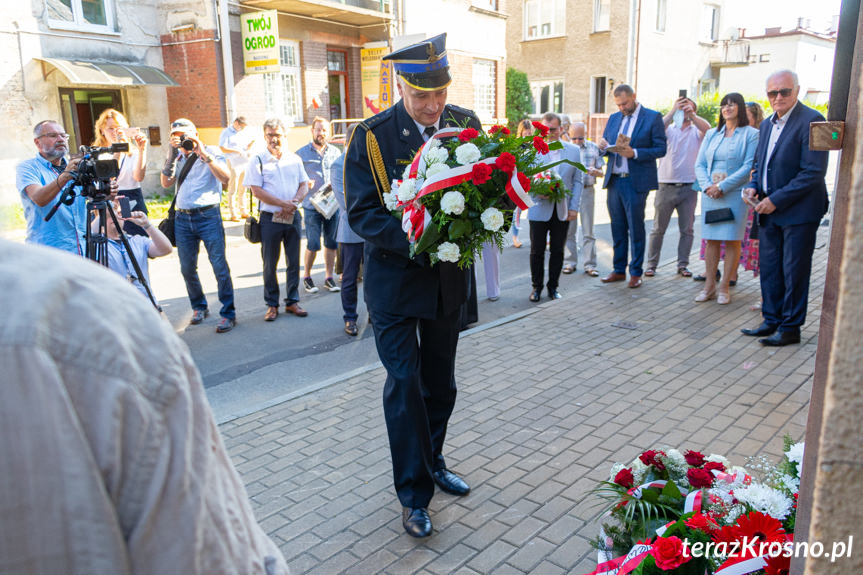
(722, 168)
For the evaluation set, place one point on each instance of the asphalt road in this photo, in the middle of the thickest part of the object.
(261, 363)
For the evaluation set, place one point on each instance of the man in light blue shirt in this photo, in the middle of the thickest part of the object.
(41, 181)
(318, 157)
(199, 219)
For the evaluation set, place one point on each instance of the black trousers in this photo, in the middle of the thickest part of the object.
(273, 237)
(555, 230)
(785, 258)
(352, 258)
(419, 396)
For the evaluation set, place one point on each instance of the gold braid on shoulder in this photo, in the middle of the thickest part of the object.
(376, 163)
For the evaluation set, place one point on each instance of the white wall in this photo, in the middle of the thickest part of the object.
(811, 58)
(676, 59)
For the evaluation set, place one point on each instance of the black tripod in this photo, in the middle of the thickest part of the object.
(97, 242)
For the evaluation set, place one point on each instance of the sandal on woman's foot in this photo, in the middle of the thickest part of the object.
(704, 295)
(650, 272)
(755, 307)
(723, 298)
(684, 272)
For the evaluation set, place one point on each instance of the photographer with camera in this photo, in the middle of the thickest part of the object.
(41, 181)
(154, 244)
(199, 172)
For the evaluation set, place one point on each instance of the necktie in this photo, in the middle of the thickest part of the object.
(429, 132)
(618, 161)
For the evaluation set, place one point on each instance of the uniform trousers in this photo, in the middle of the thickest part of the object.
(419, 396)
(352, 258)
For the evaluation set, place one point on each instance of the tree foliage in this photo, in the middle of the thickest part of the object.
(518, 97)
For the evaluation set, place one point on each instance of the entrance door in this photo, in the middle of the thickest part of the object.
(338, 83)
(81, 109)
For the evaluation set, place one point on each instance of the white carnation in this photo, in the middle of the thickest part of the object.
(492, 219)
(448, 252)
(433, 143)
(435, 169)
(467, 154)
(790, 483)
(437, 156)
(452, 203)
(406, 175)
(407, 191)
(390, 201)
(765, 499)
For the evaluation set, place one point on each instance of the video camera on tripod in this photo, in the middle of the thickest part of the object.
(94, 175)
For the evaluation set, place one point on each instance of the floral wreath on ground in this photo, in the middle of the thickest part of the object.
(686, 513)
(460, 190)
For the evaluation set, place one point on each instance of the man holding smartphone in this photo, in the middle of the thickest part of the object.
(684, 131)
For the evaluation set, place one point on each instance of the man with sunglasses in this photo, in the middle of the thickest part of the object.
(41, 181)
(790, 198)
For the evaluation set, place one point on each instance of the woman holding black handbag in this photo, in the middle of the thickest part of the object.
(722, 168)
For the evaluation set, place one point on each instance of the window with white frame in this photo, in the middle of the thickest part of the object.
(598, 93)
(94, 15)
(601, 15)
(547, 96)
(661, 9)
(282, 89)
(484, 88)
(544, 18)
(710, 23)
(485, 4)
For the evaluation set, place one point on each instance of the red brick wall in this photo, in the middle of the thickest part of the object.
(197, 67)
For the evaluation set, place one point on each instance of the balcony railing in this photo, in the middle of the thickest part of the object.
(730, 53)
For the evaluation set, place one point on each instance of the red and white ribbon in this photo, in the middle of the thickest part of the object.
(624, 564)
(693, 502)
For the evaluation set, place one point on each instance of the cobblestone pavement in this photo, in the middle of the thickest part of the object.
(547, 402)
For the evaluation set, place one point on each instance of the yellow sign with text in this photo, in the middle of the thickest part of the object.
(260, 31)
(377, 94)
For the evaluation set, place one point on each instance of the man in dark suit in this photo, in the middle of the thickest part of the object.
(630, 176)
(414, 306)
(788, 186)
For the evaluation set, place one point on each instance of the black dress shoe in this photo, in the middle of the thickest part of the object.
(450, 482)
(763, 329)
(535, 295)
(554, 294)
(781, 338)
(351, 328)
(417, 521)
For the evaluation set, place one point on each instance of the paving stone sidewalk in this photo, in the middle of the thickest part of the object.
(546, 404)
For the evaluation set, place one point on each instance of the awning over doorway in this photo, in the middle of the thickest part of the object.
(109, 73)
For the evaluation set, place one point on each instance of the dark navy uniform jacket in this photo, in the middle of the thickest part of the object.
(393, 281)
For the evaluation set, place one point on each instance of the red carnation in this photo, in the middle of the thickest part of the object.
(505, 162)
(524, 181)
(468, 134)
(668, 552)
(498, 128)
(701, 522)
(714, 466)
(650, 457)
(624, 478)
(481, 173)
(540, 145)
(543, 129)
(694, 458)
(699, 478)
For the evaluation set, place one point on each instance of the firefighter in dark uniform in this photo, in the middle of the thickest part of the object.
(414, 306)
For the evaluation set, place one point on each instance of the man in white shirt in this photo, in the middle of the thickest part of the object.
(279, 181)
(676, 176)
(235, 142)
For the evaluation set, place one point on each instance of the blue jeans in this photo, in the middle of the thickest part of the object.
(352, 258)
(315, 223)
(626, 209)
(190, 230)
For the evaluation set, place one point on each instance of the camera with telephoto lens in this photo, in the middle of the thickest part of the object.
(186, 143)
(94, 175)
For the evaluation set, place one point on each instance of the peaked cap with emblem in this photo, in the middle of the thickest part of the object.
(423, 65)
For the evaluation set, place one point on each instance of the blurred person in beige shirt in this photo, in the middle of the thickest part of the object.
(112, 461)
